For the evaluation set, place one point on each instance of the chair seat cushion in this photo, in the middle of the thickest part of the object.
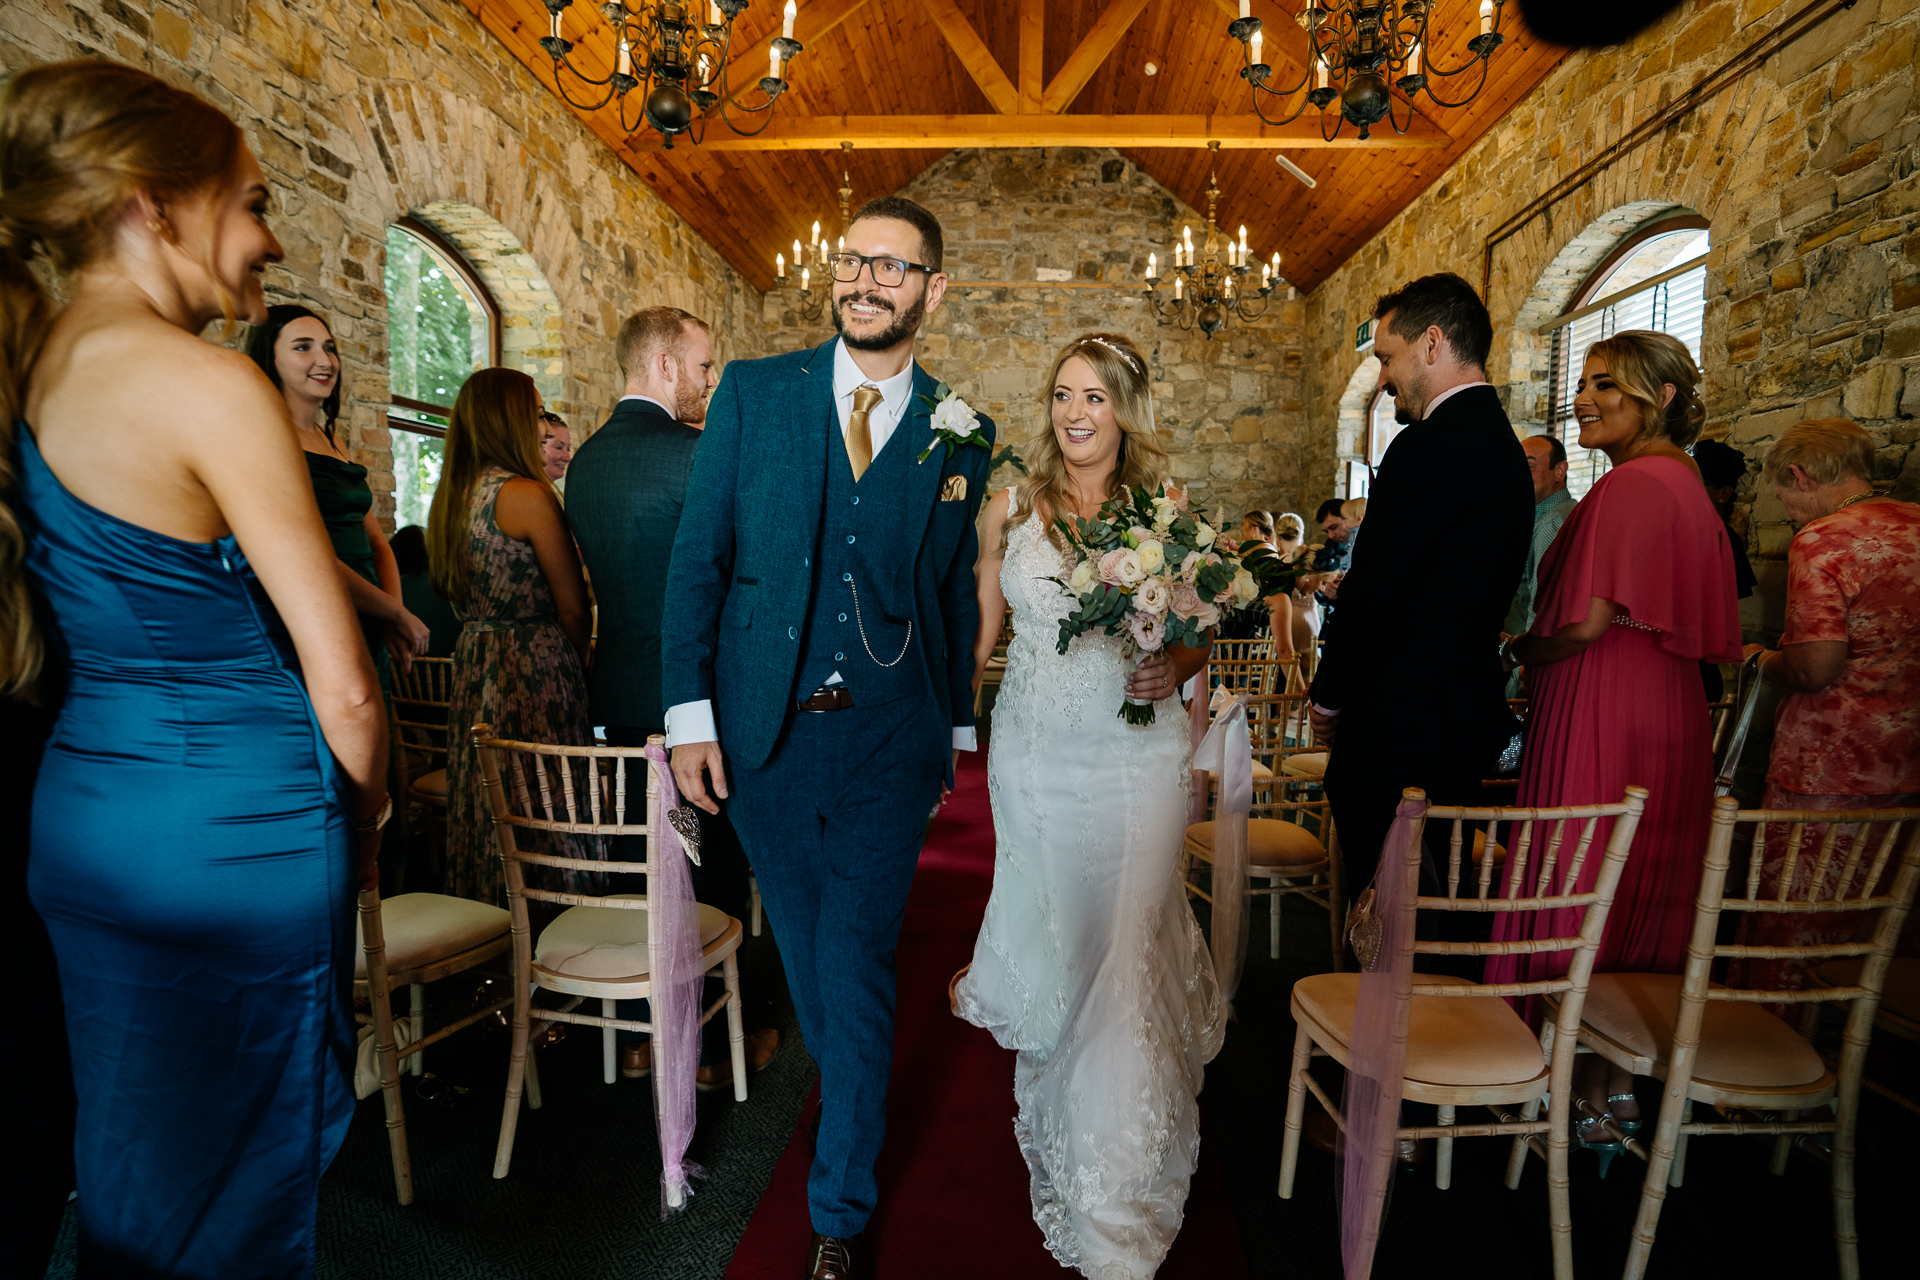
(1742, 1046)
(1308, 764)
(1260, 772)
(1270, 843)
(1899, 994)
(431, 787)
(608, 942)
(421, 928)
(1451, 1040)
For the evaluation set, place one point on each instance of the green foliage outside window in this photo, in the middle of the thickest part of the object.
(438, 333)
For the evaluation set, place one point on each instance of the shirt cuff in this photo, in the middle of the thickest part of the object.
(964, 739)
(691, 722)
(1325, 711)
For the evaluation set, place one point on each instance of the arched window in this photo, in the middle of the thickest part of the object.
(442, 324)
(1655, 279)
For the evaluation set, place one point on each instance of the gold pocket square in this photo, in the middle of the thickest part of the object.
(954, 489)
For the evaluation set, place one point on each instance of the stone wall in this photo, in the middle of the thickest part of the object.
(361, 114)
(1806, 170)
(1063, 236)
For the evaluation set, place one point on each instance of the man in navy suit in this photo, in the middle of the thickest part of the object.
(819, 629)
(624, 497)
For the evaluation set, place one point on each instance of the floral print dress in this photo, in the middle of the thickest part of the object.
(514, 669)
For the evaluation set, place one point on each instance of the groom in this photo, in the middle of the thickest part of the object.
(820, 622)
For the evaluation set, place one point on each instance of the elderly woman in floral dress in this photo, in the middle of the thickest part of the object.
(1847, 735)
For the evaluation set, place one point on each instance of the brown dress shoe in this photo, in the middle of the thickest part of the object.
(761, 1046)
(838, 1258)
(636, 1061)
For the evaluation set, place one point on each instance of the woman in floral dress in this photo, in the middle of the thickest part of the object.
(1847, 735)
(500, 551)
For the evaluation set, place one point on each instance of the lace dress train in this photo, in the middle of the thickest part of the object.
(1090, 964)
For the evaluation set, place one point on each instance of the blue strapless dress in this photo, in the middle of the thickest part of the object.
(194, 865)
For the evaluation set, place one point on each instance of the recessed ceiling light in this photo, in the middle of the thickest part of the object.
(1153, 69)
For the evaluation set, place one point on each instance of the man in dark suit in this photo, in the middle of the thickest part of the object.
(1410, 692)
(625, 490)
(820, 622)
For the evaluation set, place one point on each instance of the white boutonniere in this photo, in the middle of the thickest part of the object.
(954, 421)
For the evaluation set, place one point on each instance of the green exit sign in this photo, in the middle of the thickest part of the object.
(1363, 335)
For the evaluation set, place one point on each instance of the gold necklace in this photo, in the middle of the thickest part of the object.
(1858, 497)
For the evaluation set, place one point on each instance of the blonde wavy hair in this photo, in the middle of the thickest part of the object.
(1122, 370)
(1640, 361)
(79, 141)
(495, 423)
(1289, 525)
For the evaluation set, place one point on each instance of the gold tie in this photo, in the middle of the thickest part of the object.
(859, 438)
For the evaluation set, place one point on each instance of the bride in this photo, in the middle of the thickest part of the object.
(1090, 964)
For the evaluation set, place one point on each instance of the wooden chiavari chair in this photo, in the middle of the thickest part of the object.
(1715, 1044)
(601, 947)
(417, 723)
(1466, 1046)
(1291, 845)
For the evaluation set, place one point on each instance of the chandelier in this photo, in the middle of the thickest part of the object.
(814, 256)
(1208, 287)
(1353, 51)
(681, 64)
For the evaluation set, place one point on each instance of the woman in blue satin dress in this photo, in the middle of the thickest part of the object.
(214, 785)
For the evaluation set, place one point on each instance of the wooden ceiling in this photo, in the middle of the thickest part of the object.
(907, 80)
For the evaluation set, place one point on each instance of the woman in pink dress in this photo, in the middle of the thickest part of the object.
(1636, 590)
(1847, 735)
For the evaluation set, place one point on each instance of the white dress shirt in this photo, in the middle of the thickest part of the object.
(693, 721)
(650, 400)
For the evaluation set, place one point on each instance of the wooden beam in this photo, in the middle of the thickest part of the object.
(974, 55)
(895, 133)
(1093, 51)
(1033, 34)
(812, 23)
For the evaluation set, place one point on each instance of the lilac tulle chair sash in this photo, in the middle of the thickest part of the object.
(1377, 1050)
(673, 945)
(1227, 751)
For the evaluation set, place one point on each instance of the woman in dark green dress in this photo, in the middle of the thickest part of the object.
(296, 350)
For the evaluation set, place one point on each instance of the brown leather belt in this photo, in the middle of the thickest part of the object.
(832, 698)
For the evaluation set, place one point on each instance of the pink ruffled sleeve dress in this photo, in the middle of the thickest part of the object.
(1630, 708)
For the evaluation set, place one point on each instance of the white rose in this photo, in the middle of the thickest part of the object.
(1082, 577)
(1244, 587)
(1152, 596)
(1153, 556)
(955, 417)
(1130, 570)
(1205, 536)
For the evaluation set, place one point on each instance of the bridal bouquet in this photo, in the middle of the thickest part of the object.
(1149, 570)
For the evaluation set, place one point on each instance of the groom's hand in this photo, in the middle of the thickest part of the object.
(693, 764)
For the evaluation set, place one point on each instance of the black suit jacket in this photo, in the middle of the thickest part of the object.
(1412, 652)
(625, 489)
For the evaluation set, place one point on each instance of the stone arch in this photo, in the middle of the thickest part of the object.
(1529, 354)
(1350, 422)
(532, 337)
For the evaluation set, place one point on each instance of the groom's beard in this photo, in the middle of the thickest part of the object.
(905, 324)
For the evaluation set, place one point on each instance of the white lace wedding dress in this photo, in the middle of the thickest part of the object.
(1090, 963)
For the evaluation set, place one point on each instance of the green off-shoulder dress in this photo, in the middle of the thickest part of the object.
(345, 498)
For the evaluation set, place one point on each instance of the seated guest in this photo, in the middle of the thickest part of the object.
(416, 591)
(1302, 608)
(1635, 591)
(296, 350)
(500, 551)
(556, 445)
(1547, 461)
(1847, 734)
(629, 485)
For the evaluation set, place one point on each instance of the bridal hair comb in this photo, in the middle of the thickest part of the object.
(1133, 362)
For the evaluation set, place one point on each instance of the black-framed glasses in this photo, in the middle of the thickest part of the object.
(887, 271)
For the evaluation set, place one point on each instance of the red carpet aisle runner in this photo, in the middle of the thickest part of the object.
(953, 1188)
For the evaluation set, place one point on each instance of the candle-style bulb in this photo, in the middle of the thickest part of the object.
(1153, 265)
(806, 280)
(1177, 290)
(1276, 264)
(714, 18)
(1246, 8)
(1319, 73)
(1413, 59)
(843, 244)
(780, 266)
(773, 60)
(626, 57)
(556, 25)
(1255, 44)
(786, 20)
(1486, 16)
(796, 253)
(816, 231)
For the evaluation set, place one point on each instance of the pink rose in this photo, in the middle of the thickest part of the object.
(1185, 601)
(1109, 567)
